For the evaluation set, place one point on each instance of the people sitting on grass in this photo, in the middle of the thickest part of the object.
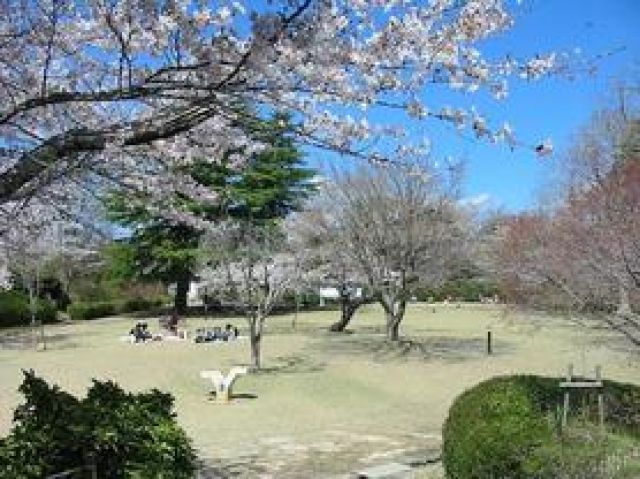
(172, 327)
(207, 335)
(231, 332)
(217, 334)
(140, 333)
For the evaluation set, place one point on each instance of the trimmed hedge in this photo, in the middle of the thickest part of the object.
(508, 427)
(92, 310)
(139, 303)
(79, 310)
(15, 309)
(129, 435)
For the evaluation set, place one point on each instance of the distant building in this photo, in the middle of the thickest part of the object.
(198, 289)
(331, 292)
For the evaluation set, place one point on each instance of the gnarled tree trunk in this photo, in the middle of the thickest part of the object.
(348, 309)
(393, 329)
(394, 309)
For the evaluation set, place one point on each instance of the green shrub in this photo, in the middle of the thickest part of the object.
(100, 309)
(80, 310)
(508, 427)
(91, 290)
(129, 435)
(140, 303)
(622, 407)
(490, 431)
(582, 451)
(15, 309)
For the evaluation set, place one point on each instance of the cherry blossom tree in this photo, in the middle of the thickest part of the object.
(28, 251)
(253, 266)
(103, 91)
(25, 253)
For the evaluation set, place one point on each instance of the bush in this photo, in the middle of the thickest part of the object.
(490, 431)
(508, 427)
(136, 303)
(15, 309)
(129, 435)
(80, 310)
(139, 303)
(91, 290)
(581, 452)
(100, 309)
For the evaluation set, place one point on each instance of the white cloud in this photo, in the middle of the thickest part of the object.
(483, 199)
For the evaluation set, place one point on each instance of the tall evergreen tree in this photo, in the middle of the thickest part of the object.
(272, 185)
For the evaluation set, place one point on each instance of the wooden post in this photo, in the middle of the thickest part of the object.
(600, 398)
(295, 314)
(489, 346)
(43, 336)
(565, 407)
(587, 383)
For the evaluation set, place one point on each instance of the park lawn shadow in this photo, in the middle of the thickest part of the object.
(243, 396)
(367, 329)
(447, 348)
(235, 396)
(286, 328)
(293, 364)
(606, 338)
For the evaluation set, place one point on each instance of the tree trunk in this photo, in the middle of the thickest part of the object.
(255, 337)
(393, 330)
(180, 298)
(349, 308)
(33, 308)
(394, 312)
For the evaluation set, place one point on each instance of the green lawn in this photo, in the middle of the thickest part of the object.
(326, 404)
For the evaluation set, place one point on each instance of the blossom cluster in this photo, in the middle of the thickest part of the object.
(116, 86)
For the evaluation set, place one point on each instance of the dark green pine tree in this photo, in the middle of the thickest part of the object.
(275, 183)
(270, 186)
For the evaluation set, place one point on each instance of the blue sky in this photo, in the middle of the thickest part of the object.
(553, 108)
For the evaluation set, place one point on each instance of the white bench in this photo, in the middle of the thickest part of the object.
(223, 384)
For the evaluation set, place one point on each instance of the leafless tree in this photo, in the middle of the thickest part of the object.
(397, 227)
(334, 266)
(583, 254)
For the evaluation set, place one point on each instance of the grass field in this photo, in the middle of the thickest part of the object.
(325, 404)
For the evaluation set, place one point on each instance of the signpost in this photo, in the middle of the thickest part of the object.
(572, 383)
